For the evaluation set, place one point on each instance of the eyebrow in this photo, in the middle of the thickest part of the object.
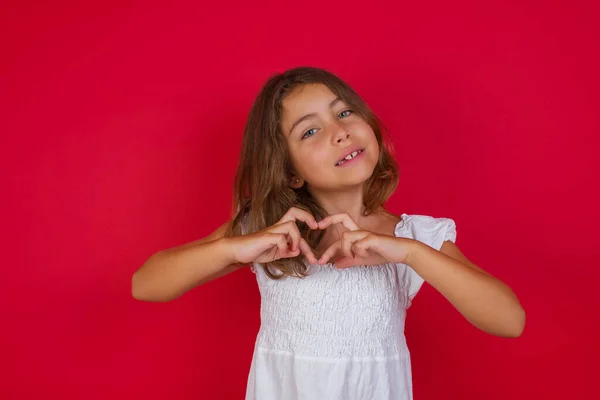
(307, 116)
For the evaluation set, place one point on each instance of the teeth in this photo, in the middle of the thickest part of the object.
(349, 157)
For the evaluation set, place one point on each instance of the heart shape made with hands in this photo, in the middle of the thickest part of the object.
(352, 247)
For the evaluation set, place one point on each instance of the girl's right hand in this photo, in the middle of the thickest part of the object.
(281, 240)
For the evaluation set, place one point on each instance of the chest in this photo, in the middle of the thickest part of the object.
(353, 302)
(372, 260)
(333, 235)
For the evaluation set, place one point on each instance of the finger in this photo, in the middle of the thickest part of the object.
(347, 246)
(308, 253)
(363, 245)
(330, 252)
(341, 218)
(284, 249)
(348, 241)
(280, 240)
(294, 233)
(289, 228)
(358, 249)
(296, 214)
(344, 263)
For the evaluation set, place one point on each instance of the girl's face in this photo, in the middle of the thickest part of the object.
(321, 131)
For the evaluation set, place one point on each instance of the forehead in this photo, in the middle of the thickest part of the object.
(306, 99)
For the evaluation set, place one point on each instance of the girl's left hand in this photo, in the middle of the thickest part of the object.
(359, 243)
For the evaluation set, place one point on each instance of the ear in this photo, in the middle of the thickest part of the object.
(296, 182)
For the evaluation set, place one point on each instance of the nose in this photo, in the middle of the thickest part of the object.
(341, 134)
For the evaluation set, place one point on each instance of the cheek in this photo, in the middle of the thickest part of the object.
(362, 129)
(371, 143)
(374, 153)
(371, 138)
(310, 160)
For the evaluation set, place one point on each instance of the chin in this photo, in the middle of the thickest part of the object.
(345, 177)
(358, 177)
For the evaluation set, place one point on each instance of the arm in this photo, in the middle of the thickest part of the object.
(170, 273)
(485, 301)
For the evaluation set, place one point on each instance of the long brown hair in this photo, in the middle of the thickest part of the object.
(261, 193)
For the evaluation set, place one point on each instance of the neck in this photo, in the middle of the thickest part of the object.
(342, 201)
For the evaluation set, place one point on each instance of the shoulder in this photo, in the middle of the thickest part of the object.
(424, 222)
(426, 228)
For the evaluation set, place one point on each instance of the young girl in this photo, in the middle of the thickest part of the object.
(335, 269)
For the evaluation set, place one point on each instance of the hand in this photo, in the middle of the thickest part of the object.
(281, 240)
(360, 243)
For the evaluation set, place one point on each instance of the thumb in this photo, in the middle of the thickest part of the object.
(343, 262)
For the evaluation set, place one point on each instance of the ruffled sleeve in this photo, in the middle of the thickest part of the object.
(426, 229)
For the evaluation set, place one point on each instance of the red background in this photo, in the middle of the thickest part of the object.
(121, 125)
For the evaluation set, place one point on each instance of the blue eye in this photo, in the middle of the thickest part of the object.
(344, 113)
(306, 134)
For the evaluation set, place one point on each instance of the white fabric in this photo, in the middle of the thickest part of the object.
(339, 334)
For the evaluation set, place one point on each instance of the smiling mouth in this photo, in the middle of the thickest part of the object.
(348, 157)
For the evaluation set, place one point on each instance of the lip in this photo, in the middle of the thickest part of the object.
(350, 151)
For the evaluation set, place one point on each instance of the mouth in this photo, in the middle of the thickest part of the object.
(349, 157)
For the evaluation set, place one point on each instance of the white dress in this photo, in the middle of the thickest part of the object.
(339, 333)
